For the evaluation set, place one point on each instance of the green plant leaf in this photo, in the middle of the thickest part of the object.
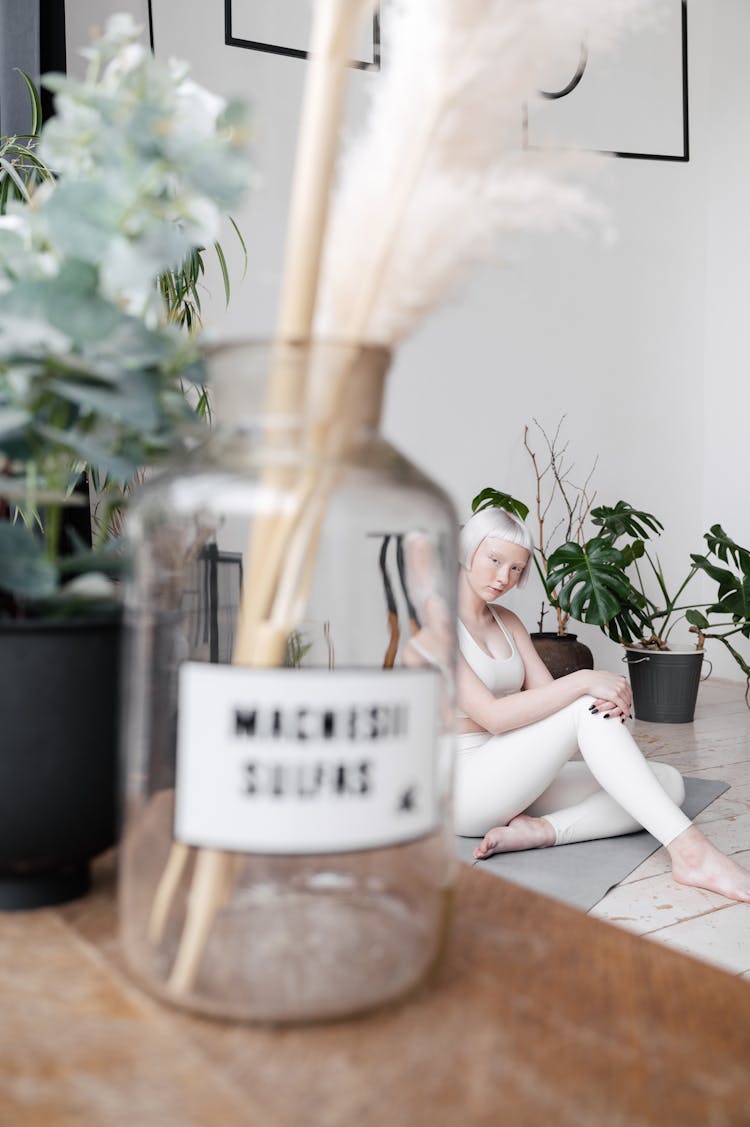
(35, 101)
(623, 520)
(591, 583)
(720, 575)
(8, 167)
(490, 498)
(726, 549)
(695, 618)
(242, 243)
(133, 403)
(633, 551)
(733, 586)
(68, 302)
(24, 570)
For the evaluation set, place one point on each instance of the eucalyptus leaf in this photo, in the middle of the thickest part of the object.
(134, 402)
(91, 378)
(87, 448)
(24, 570)
(26, 335)
(69, 303)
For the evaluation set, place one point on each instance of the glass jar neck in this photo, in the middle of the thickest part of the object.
(330, 392)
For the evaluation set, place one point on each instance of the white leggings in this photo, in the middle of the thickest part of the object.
(615, 791)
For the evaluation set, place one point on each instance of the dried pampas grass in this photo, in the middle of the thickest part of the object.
(436, 174)
(438, 171)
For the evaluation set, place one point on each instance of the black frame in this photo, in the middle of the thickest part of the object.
(232, 40)
(682, 157)
(52, 56)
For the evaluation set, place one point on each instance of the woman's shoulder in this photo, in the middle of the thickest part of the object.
(508, 618)
(512, 624)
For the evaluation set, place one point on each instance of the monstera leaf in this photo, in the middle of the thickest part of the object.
(623, 520)
(733, 585)
(592, 587)
(493, 498)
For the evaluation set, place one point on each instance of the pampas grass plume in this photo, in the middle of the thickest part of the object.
(438, 171)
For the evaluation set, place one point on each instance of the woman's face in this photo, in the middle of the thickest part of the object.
(496, 568)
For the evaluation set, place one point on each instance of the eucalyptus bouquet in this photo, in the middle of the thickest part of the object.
(91, 370)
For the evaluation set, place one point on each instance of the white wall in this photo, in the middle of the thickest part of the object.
(727, 345)
(640, 343)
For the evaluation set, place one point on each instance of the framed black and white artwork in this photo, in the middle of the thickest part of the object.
(629, 102)
(282, 27)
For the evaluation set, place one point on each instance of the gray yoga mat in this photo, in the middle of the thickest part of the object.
(581, 874)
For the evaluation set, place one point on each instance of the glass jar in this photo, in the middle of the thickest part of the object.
(287, 850)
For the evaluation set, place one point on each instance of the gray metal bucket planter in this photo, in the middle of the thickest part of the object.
(665, 683)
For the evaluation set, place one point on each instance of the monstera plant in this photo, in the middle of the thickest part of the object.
(616, 581)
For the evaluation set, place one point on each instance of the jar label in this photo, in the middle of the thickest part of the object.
(306, 760)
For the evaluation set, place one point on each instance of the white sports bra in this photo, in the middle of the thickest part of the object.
(501, 675)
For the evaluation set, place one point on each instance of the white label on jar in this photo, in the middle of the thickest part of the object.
(305, 761)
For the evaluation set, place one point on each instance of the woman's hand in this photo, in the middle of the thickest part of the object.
(614, 697)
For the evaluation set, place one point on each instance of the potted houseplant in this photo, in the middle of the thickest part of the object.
(98, 268)
(616, 581)
(561, 510)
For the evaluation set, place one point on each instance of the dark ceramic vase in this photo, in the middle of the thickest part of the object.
(562, 653)
(59, 687)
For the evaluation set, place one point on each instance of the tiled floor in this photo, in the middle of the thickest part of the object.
(715, 746)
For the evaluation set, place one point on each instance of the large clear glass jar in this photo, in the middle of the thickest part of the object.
(287, 851)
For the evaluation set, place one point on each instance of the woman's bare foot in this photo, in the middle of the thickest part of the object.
(695, 861)
(521, 832)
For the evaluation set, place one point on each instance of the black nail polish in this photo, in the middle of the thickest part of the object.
(592, 708)
(606, 716)
(622, 719)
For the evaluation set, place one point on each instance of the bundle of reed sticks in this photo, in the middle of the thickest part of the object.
(436, 173)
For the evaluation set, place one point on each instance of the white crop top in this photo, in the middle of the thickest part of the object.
(501, 675)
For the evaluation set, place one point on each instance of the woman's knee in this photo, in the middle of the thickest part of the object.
(671, 780)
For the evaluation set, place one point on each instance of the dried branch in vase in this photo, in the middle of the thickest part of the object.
(555, 488)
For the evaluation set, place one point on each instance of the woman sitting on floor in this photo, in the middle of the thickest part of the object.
(518, 730)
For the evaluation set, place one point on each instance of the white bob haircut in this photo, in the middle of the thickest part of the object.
(501, 525)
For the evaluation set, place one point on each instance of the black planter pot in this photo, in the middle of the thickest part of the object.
(562, 653)
(59, 688)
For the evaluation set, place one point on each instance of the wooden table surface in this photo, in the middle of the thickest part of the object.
(538, 1015)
